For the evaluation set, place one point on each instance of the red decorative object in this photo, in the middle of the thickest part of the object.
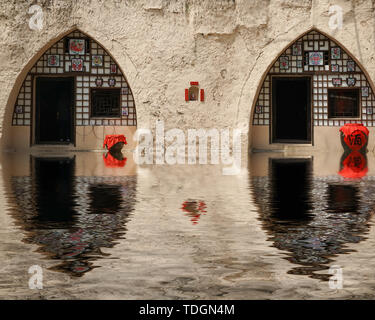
(111, 162)
(186, 94)
(354, 166)
(354, 136)
(194, 209)
(202, 94)
(113, 68)
(194, 83)
(112, 139)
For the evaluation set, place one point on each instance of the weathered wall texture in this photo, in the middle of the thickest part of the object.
(162, 45)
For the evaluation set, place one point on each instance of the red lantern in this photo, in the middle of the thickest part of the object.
(354, 137)
(114, 141)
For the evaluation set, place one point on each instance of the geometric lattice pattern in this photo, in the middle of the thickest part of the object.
(93, 69)
(329, 66)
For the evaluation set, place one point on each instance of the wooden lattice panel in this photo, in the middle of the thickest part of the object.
(108, 73)
(336, 64)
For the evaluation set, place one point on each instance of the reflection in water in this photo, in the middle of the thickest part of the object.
(343, 198)
(311, 218)
(194, 209)
(290, 197)
(71, 218)
(53, 187)
(114, 159)
(353, 165)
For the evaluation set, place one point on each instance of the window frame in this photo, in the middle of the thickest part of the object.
(359, 105)
(91, 103)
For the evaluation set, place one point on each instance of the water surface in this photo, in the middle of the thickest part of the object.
(112, 230)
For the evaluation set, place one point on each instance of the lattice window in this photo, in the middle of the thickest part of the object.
(343, 103)
(105, 103)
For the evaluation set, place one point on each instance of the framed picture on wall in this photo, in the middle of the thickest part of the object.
(335, 53)
(53, 60)
(19, 109)
(111, 82)
(99, 82)
(297, 49)
(364, 91)
(335, 68)
(97, 61)
(124, 112)
(77, 46)
(284, 62)
(316, 58)
(350, 65)
(113, 68)
(350, 82)
(336, 81)
(77, 65)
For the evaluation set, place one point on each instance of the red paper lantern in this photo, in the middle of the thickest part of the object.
(354, 137)
(115, 141)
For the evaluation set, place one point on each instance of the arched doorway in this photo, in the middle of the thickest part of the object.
(313, 87)
(73, 95)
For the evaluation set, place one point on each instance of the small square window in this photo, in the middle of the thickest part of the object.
(105, 103)
(343, 103)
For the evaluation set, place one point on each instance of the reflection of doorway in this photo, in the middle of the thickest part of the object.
(290, 188)
(54, 189)
(54, 108)
(291, 109)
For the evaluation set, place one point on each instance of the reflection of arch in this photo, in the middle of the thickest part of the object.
(74, 234)
(20, 112)
(261, 109)
(321, 226)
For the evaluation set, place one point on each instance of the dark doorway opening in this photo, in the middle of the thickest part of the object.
(291, 109)
(54, 110)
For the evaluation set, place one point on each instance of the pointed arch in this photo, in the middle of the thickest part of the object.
(289, 64)
(93, 70)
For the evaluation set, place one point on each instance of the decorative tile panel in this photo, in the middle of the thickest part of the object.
(79, 56)
(336, 69)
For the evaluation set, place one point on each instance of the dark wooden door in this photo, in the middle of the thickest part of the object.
(291, 109)
(54, 110)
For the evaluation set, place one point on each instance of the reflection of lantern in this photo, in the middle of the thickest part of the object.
(353, 165)
(354, 137)
(194, 209)
(114, 160)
